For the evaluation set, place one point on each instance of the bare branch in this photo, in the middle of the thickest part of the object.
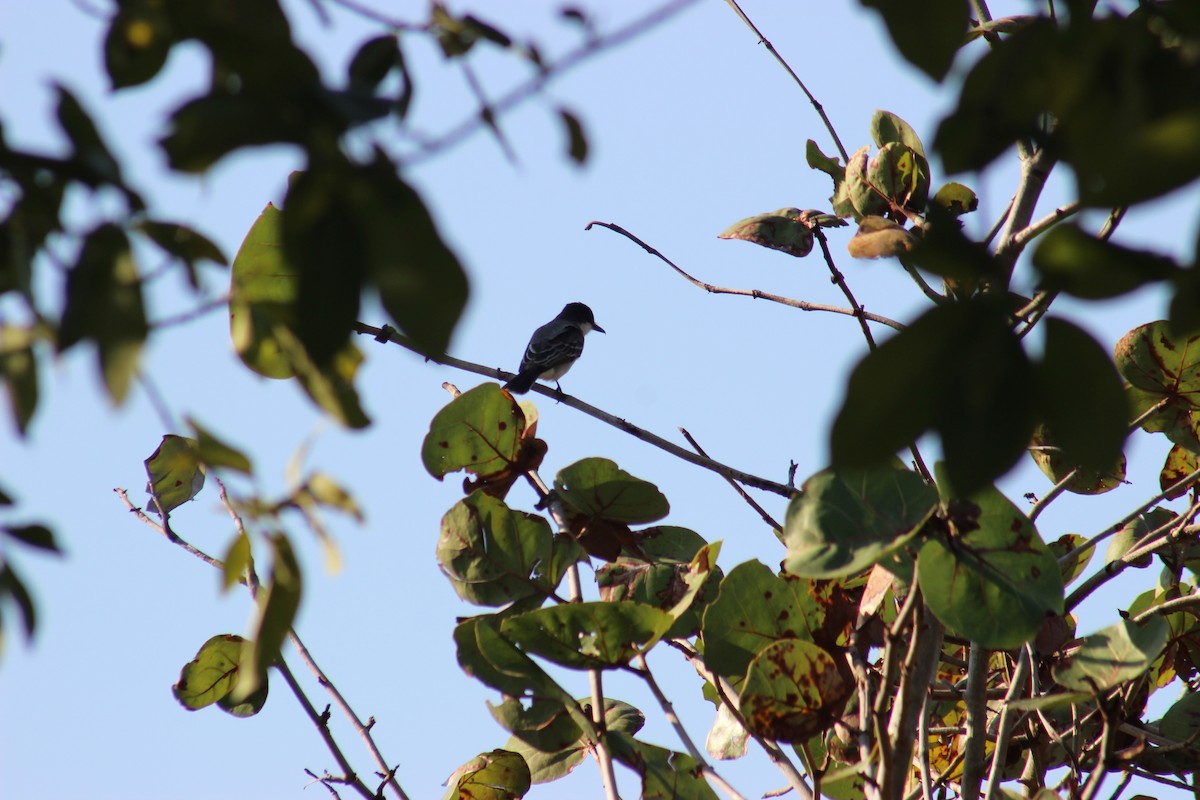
(762, 512)
(389, 334)
(803, 305)
(771, 49)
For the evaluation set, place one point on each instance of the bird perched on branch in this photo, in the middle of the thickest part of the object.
(554, 348)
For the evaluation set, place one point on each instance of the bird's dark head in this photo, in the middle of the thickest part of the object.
(582, 316)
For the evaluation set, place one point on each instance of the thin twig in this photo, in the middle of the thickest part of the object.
(643, 671)
(756, 294)
(762, 512)
(321, 722)
(389, 334)
(728, 697)
(771, 49)
(592, 47)
(183, 317)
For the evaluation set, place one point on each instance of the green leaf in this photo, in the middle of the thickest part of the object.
(679, 576)
(756, 608)
(1113, 656)
(479, 431)
(137, 44)
(215, 453)
(104, 304)
(486, 655)
(494, 556)
(1182, 720)
(550, 741)
(844, 521)
(864, 198)
(210, 678)
(577, 143)
(665, 774)
(590, 635)
(1154, 360)
(1078, 263)
(995, 583)
(1082, 396)
(960, 370)
(793, 691)
(278, 601)
(262, 295)
(597, 487)
(94, 162)
(496, 775)
(929, 37)
(777, 230)
(901, 174)
(18, 369)
(331, 494)
(827, 164)
(38, 536)
(887, 128)
(176, 473)
(956, 199)
(238, 559)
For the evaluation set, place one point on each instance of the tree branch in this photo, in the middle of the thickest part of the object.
(762, 512)
(771, 49)
(390, 334)
(756, 294)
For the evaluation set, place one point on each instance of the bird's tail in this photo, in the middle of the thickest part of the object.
(521, 382)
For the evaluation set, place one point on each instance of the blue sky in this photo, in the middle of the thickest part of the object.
(692, 127)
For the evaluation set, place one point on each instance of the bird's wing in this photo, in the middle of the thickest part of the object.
(547, 351)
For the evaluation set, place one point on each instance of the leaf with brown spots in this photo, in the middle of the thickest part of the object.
(794, 690)
(994, 584)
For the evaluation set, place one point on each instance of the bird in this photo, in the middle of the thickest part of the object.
(554, 348)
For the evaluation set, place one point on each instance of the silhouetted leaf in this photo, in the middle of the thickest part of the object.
(1077, 263)
(373, 60)
(14, 588)
(577, 143)
(1082, 397)
(959, 370)
(928, 37)
(19, 371)
(38, 536)
(104, 304)
(137, 44)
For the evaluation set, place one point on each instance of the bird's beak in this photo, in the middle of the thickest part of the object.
(596, 327)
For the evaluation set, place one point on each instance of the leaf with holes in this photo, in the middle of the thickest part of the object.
(479, 431)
